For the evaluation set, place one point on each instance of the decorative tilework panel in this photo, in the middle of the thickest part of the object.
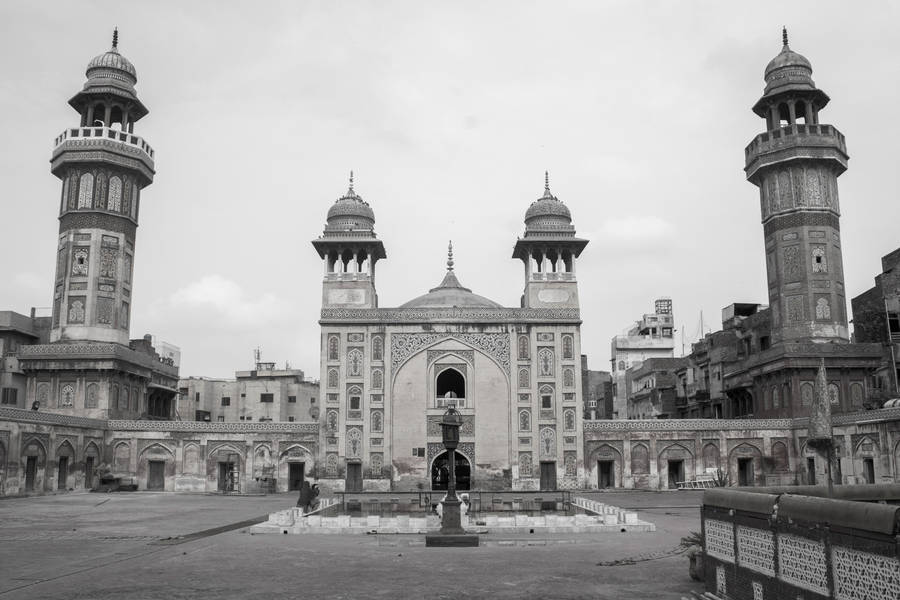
(756, 550)
(864, 576)
(720, 581)
(720, 539)
(802, 562)
(757, 590)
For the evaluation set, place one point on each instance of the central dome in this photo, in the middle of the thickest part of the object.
(450, 293)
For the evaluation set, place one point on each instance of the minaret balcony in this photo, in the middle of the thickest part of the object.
(91, 144)
(796, 142)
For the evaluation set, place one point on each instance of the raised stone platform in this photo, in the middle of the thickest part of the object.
(609, 519)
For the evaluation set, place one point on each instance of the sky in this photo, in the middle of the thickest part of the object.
(448, 113)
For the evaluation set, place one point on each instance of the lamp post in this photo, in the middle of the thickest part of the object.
(450, 518)
(452, 533)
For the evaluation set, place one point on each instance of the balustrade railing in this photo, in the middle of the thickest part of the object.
(107, 133)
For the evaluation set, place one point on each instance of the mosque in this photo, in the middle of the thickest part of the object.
(79, 393)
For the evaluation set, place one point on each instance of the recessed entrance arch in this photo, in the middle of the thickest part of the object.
(440, 472)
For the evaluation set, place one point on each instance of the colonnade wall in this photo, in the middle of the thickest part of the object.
(661, 454)
(44, 452)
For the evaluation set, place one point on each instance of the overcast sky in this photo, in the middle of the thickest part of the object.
(449, 113)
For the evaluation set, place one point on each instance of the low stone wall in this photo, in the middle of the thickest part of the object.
(763, 545)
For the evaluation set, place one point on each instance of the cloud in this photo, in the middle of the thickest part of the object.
(226, 299)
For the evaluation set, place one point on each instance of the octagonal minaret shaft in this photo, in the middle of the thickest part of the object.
(795, 164)
(103, 167)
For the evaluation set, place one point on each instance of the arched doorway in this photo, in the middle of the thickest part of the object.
(450, 384)
(440, 472)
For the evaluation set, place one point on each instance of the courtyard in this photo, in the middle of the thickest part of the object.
(163, 545)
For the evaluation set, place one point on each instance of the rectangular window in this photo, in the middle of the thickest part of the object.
(9, 396)
(312, 400)
(547, 401)
(420, 452)
(196, 396)
(291, 419)
(226, 401)
(331, 398)
(569, 397)
(354, 402)
(267, 397)
(292, 399)
(249, 418)
(375, 397)
(220, 418)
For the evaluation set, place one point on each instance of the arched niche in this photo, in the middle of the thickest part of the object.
(605, 467)
(147, 476)
(675, 464)
(745, 465)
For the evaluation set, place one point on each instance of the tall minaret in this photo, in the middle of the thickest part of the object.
(796, 164)
(103, 167)
(349, 249)
(548, 251)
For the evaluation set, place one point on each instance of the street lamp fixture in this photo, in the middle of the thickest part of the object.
(452, 532)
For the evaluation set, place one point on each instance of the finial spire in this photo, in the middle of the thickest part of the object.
(450, 256)
(351, 180)
(546, 182)
(115, 39)
(784, 37)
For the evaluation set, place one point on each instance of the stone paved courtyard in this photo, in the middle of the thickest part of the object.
(114, 545)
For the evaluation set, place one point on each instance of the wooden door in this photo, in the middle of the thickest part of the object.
(156, 477)
(354, 482)
(745, 471)
(868, 470)
(606, 474)
(548, 475)
(30, 473)
(62, 473)
(295, 476)
(676, 473)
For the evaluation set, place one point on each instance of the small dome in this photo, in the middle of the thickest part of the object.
(351, 205)
(547, 212)
(110, 60)
(350, 212)
(548, 206)
(788, 69)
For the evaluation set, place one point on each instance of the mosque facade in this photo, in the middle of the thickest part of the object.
(389, 374)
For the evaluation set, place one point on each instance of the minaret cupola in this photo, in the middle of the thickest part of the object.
(349, 248)
(548, 250)
(108, 97)
(790, 95)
